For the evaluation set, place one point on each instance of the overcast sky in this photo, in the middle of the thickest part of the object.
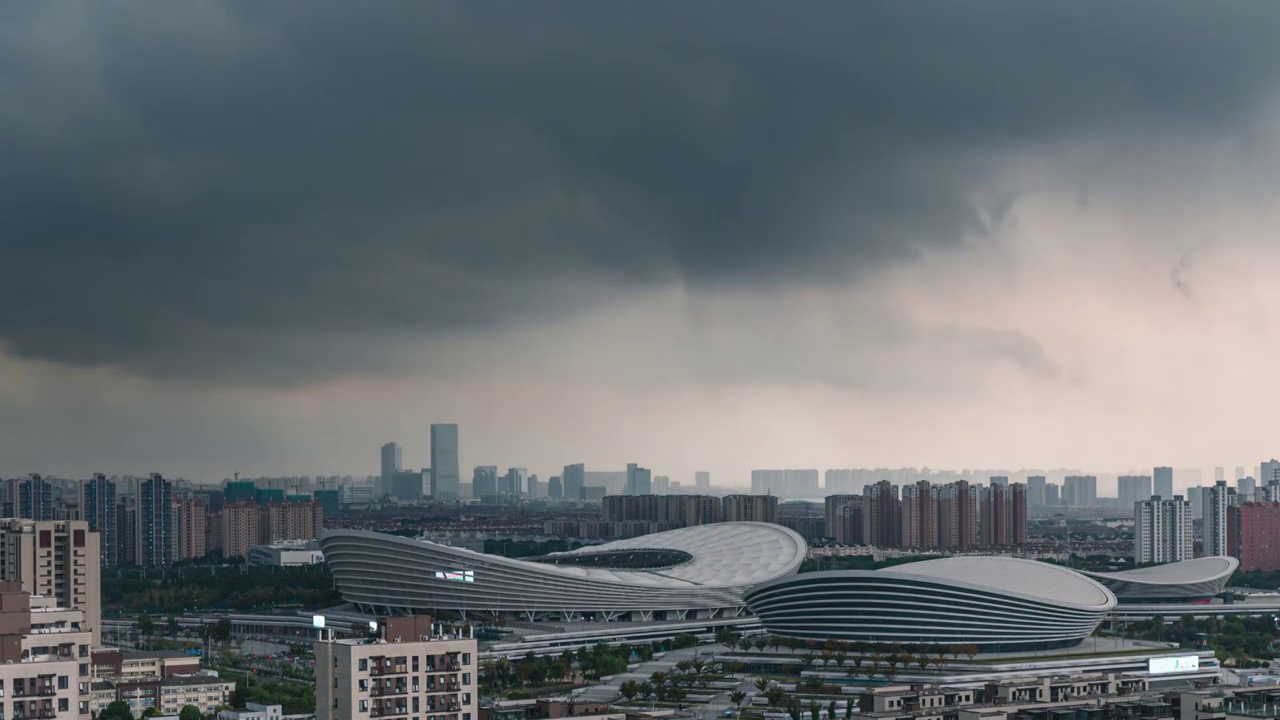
(715, 235)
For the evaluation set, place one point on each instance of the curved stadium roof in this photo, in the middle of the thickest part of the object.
(996, 603)
(705, 568)
(1189, 580)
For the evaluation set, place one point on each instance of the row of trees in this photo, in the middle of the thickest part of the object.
(119, 710)
(220, 632)
(1244, 640)
(676, 685)
(216, 587)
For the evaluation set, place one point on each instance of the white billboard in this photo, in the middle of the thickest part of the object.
(1181, 663)
(317, 621)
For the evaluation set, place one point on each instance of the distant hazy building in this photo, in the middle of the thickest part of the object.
(843, 517)
(191, 518)
(515, 482)
(391, 464)
(661, 485)
(1035, 490)
(1195, 497)
(1132, 489)
(840, 481)
(555, 488)
(1219, 498)
(574, 479)
(1162, 530)
(1163, 482)
(98, 509)
(1002, 480)
(444, 462)
(785, 483)
(701, 481)
(1245, 488)
(1052, 495)
(408, 486)
(639, 480)
(484, 481)
(1080, 491)
(1270, 473)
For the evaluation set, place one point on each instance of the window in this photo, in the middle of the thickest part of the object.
(466, 658)
(466, 698)
(364, 685)
(84, 688)
(466, 678)
(84, 668)
(63, 682)
(84, 707)
(64, 705)
(415, 663)
(364, 665)
(364, 706)
(415, 704)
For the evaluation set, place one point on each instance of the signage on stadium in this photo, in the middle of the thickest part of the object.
(1181, 663)
(457, 575)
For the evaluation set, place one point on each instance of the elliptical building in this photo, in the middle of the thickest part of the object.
(689, 573)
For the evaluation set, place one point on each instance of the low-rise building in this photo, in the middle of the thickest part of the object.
(414, 668)
(169, 695)
(116, 664)
(286, 554)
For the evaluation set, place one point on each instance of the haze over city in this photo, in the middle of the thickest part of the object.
(265, 239)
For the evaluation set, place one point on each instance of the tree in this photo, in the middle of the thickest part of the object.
(629, 689)
(146, 625)
(972, 651)
(644, 690)
(735, 698)
(150, 712)
(222, 631)
(678, 694)
(189, 712)
(118, 710)
(831, 710)
(814, 684)
(814, 709)
(841, 656)
(762, 684)
(806, 660)
(774, 696)
(762, 642)
(173, 626)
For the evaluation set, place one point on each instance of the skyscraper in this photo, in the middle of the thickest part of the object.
(98, 508)
(574, 478)
(555, 488)
(515, 482)
(1162, 530)
(1163, 485)
(1270, 474)
(1132, 489)
(639, 480)
(390, 466)
(1245, 488)
(1219, 499)
(1253, 536)
(958, 515)
(157, 541)
(702, 481)
(444, 462)
(1003, 515)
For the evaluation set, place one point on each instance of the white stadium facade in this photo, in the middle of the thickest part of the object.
(1189, 581)
(996, 603)
(690, 573)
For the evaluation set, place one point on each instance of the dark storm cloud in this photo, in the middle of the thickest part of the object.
(197, 188)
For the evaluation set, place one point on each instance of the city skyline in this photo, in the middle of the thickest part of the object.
(793, 243)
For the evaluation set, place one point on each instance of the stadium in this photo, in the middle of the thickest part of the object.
(1190, 581)
(690, 573)
(999, 604)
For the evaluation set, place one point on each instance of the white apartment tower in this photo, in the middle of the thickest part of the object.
(1217, 499)
(415, 668)
(1162, 530)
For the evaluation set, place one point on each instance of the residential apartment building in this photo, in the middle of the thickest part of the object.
(919, 516)
(415, 669)
(843, 517)
(192, 528)
(98, 508)
(957, 515)
(157, 541)
(785, 483)
(1003, 515)
(1162, 530)
(749, 508)
(237, 527)
(44, 658)
(57, 559)
(881, 515)
(1253, 535)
